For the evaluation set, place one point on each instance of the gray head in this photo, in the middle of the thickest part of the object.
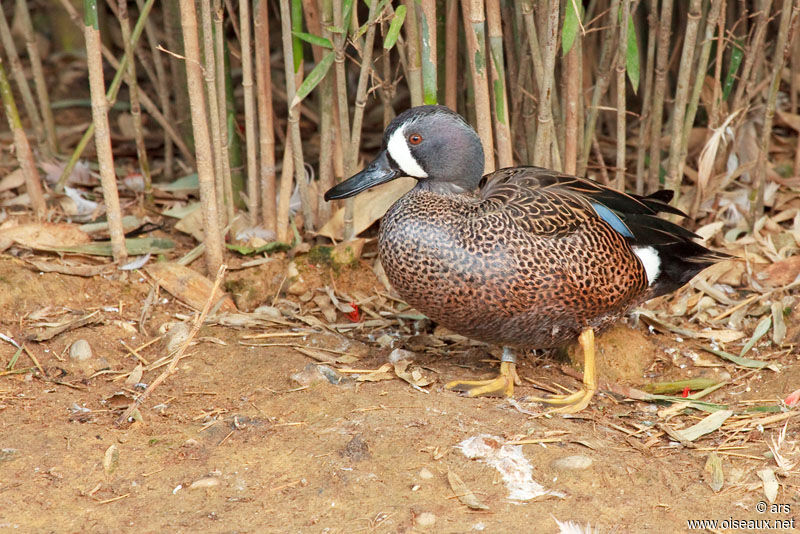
(430, 143)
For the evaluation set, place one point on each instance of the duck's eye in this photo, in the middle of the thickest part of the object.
(415, 139)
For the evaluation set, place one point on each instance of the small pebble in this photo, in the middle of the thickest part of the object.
(401, 354)
(577, 461)
(425, 474)
(425, 519)
(80, 350)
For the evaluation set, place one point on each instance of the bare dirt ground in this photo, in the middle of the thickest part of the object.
(245, 438)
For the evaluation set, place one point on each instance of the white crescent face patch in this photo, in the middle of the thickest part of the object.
(401, 154)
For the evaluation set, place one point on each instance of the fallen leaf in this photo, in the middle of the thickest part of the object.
(464, 494)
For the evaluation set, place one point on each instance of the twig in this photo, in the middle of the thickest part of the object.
(198, 322)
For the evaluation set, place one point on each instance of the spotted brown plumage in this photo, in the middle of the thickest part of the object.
(524, 257)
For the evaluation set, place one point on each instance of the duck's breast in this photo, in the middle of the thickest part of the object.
(481, 276)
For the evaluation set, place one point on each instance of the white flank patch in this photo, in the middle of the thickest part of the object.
(398, 149)
(510, 462)
(651, 262)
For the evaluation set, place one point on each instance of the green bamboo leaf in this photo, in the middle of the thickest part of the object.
(314, 39)
(297, 27)
(632, 59)
(762, 328)
(314, 77)
(394, 27)
(737, 54)
(571, 24)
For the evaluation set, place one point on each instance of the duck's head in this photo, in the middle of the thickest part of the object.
(430, 143)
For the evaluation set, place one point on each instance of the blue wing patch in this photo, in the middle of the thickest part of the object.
(613, 219)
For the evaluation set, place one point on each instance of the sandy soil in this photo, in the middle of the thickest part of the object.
(236, 441)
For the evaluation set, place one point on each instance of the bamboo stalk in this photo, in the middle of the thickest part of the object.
(294, 117)
(217, 123)
(753, 50)
(343, 109)
(33, 183)
(102, 133)
(163, 92)
(451, 55)
(228, 200)
(545, 130)
(136, 107)
(202, 140)
(22, 84)
(789, 13)
(414, 70)
(111, 96)
(250, 114)
(427, 27)
(673, 179)
(659, 88)
(622, 56)
(42, 93)
(713, 113)
(647, 98)
(572, 85)
(326, 125)
(502, 127)
(601, 85)
(694, 99)
(265, 116)
(472, 11)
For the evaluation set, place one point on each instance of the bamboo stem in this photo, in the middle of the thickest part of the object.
(673, 179)
(22, 84)
(102, 133)
(601, 85)
(136, 107)
(216, 122)
(202, 140)
(789, 12)
(414, 59)
(294, 117)
(33, 183)
(451, 55)
(694, 99)
(505, 156)
(227, 200)
(42, 91)
(647, 99)
(659, 88)
(250, 114)
(427, 27)
(472, 11)
(163, 92)
(572, 86)
(266, 118)
(622, 56)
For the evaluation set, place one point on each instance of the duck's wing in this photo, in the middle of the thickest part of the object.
(546, 202)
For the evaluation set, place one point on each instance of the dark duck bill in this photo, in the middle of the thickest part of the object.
(380, 171)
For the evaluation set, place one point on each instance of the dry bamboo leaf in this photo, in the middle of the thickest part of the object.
(713, 468)
(73, 270)
(707, 425)
(412, 374)
(378, 375)
(136, 375)
(42, 236)
(778, 324)
(187, 285)
(464, 494)
(770, 483)
(12, 180)
(111, 460)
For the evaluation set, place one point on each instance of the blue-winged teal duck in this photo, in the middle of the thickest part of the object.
(524, 257)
